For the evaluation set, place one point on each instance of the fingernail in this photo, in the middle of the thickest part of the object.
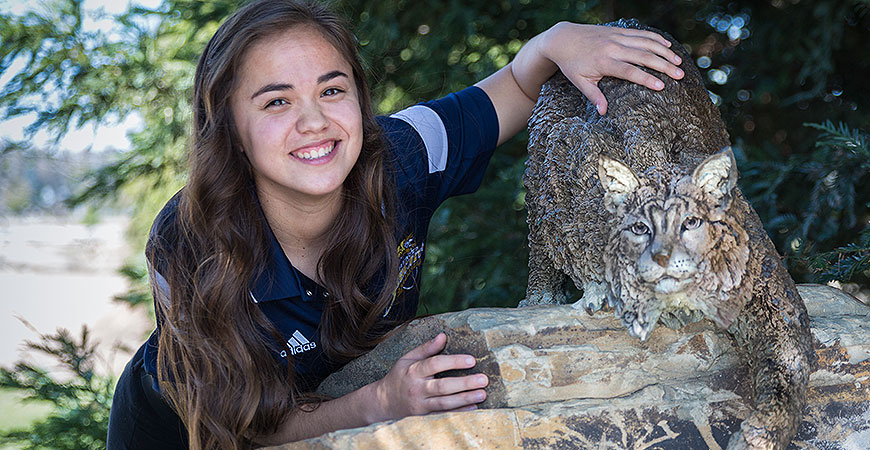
(677, 59)
(680, 72)
(469, 361)
(659, 84)
(598, 108)
(479, 396)
(482, 380)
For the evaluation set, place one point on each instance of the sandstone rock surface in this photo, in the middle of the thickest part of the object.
(560, 378)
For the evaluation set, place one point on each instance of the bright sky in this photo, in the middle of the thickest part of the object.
(106, 136)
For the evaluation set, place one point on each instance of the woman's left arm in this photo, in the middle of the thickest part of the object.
(585, 54)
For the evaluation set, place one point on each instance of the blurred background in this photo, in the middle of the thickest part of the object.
(94, 120)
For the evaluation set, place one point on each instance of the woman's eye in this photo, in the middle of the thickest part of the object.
(639, 228)
(691, 223)
(331, 91)
(276, 102)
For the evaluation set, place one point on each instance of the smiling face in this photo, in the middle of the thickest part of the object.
(297, 114)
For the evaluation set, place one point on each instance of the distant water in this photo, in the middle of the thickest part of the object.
(55, 272)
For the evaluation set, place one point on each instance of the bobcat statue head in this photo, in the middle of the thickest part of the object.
(675, 250)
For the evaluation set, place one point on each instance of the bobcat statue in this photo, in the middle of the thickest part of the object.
(640, 209)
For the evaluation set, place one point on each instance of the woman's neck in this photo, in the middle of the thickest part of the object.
(301, 224)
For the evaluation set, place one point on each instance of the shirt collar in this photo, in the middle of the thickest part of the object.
(279, 278)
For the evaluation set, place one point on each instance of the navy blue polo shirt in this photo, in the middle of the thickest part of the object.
(438, 149)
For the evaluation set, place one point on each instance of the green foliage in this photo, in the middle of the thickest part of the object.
(25, 413)
(74, 77)
(418, 51)
(478, 249)
(771, 67)
(81, 399)
(139, 292)
(817, 206)
(844, 263)
(18, 198)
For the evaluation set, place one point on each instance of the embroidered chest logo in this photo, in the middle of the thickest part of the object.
(298, 344)
(410, 258)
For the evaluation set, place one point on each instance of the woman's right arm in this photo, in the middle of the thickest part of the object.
(409, 389)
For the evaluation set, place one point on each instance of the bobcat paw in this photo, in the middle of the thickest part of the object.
(739, 441)
(640, 325)
(681, 317)
(542, 298)
(594, 296)
(640, 329)
(756, 434)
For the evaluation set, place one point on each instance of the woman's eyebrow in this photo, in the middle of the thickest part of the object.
(330, 75)
(271, 87)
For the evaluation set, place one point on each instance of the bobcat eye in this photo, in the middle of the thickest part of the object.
(691, 223)
(639, 228)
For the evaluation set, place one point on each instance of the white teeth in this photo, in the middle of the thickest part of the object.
(318, 153)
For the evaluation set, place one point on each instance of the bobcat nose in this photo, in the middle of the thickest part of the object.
(661, 258)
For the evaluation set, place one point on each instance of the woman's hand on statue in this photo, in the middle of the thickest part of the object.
(587, 53)
(410, 388)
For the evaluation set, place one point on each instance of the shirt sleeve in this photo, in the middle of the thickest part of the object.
(162, 236)
(442, 147)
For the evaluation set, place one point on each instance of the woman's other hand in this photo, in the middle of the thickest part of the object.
(411, 388)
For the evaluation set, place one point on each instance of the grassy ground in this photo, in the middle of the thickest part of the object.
(15, 413)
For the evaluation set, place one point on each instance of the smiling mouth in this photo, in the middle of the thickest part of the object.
(313, 154)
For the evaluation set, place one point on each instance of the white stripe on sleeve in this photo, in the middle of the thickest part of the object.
(162, 286)
(431, 129)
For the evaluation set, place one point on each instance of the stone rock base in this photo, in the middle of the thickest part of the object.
(560, 378)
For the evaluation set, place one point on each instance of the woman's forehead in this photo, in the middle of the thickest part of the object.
(292, 56)
(293, 51)
(295, 41)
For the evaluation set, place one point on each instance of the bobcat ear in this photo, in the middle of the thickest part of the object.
(717, 176)
(618, 181)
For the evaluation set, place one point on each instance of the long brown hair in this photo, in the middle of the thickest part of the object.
(215, 360)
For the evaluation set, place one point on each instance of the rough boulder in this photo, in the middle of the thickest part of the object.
(560, 378)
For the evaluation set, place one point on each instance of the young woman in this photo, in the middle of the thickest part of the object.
(295, 243)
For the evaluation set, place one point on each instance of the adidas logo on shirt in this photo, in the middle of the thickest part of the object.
(298, 343)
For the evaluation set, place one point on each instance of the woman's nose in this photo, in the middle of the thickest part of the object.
(311, 118)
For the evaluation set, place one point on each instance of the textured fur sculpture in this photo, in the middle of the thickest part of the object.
(640, 207)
